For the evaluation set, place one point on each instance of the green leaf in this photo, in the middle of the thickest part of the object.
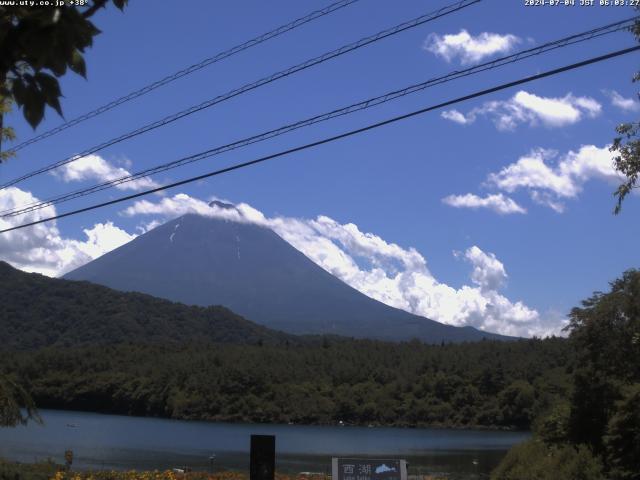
(50, 88)
(77, 64)
(33, 108)
(33, 113)
(55, 104)
(48, 84)
(93, 30)
(57, 64)
(19, 91)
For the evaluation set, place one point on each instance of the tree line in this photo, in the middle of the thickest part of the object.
(485, 384)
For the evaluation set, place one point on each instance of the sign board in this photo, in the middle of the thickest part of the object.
(263, 454)
(368, 469)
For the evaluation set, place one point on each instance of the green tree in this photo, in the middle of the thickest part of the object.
(516, 401)
(534, 460)
(592, 404)
(606, 329)
(605, 332)
(553, 427)
(598, 431)
(16, 405)
(622, 441)
(627, 146)
(37, 46)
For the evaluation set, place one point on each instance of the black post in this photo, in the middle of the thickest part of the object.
(263, 457)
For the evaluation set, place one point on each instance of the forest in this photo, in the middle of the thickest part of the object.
(486, 384)
(76, 345)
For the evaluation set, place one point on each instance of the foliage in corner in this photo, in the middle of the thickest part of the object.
(6, 133)
(16, 405)
(627, 146)
(622, 441)
(595, 430)
(37, 46)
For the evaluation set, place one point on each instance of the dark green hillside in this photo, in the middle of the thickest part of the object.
(38, 311)
(75, 345)
(488, 384)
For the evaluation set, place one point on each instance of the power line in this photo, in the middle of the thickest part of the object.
(335, 137)
(189, 70)
(369, 103)
(446, 10)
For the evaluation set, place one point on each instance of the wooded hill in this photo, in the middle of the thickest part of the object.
(38, 311)
(75, 345)
(487, 384)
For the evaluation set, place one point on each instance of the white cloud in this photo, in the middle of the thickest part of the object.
(385, 271)
(488, 272)
(41, 248)
(148, 226)
(557, 111)
(534, 171)
(525, 107)
(102, 238)
(546, 199)
(548, 178)
(94, 167)
(169, 206)
(565, 179)
(499, 203)
(623, 103)
(455, 116)
(468, 48)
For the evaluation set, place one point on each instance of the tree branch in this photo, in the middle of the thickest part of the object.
(97, 5)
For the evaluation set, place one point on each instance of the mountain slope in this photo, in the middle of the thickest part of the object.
(38, 311)
(199, 260)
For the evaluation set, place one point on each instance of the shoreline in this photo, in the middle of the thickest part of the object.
(103, 441)
(230, 421)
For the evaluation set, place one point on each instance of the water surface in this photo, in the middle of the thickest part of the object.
(120, 442)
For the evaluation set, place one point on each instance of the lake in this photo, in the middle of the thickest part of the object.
(121, 442)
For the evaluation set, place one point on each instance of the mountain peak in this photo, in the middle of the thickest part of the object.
(224, 211)
(257, 274)
(223, 205)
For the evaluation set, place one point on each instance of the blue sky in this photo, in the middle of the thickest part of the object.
(390, 182)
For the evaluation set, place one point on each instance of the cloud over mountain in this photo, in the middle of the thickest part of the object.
(385, 271)
(42, 248)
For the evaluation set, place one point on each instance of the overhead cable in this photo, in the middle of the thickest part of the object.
(362, 105)
(334, 138)
(441, 12)
(188, 70)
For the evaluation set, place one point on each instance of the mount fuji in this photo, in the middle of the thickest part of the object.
(200, 260)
